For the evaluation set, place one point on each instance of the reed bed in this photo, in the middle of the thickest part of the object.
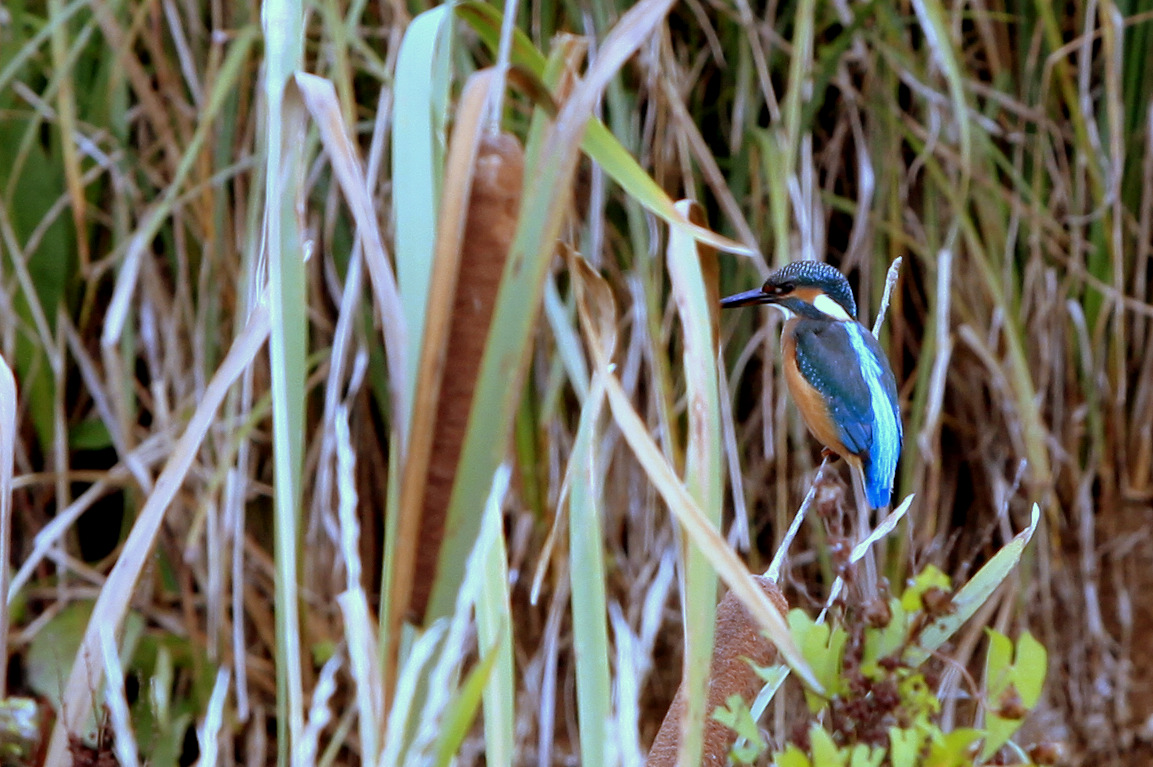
(341, 439)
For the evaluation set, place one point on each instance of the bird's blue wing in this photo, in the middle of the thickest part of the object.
(881, 463)
(828, 361)
(846, 365)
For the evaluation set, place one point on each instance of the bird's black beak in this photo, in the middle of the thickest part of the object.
(748, 298)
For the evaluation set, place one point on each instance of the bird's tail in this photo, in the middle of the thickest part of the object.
(878, 484)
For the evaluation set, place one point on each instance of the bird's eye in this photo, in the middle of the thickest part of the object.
(777, 289)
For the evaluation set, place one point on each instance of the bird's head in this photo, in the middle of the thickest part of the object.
(805, 289)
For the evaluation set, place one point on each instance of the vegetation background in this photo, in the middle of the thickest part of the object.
(225, 499)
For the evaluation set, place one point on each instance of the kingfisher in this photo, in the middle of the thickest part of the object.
(835, 370)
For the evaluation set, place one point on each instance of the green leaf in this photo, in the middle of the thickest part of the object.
(1017, 686)
(865, 756)
(745, 754)
(929, 578)
(998, 662)
(50, 654)
(976, 592)
(89, 434)
(587, 575)
(825, 751)
(735, 715)
(494, 627)
(952, 750)
(462, 710)
(772, 676)
(823, 648)
(48, 662)
(1030, 669)
(918, 695)
(905, 746)
(998, 730)
(793, 757)
(692, 277)
(423, 79)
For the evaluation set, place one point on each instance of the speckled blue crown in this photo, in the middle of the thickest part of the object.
(816, 274)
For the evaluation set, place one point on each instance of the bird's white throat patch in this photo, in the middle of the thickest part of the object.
(830, 307)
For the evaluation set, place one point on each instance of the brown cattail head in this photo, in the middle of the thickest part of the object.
(739, 646)
(493, 207)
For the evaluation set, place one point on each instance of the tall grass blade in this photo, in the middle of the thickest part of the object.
(693, 273)
(587, 572)
(7, 457)
(495, 635)
(423, 78)
(283, 24)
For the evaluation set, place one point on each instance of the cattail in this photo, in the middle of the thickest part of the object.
(494, 204)
(739, 646)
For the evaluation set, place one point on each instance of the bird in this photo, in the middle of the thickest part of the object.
(835, 370)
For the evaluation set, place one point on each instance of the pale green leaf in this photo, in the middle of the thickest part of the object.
(905, 746)
(973, 594)
(825, 751)
(1030, 668)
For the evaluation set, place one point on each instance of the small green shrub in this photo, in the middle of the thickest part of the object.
(882, 701)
